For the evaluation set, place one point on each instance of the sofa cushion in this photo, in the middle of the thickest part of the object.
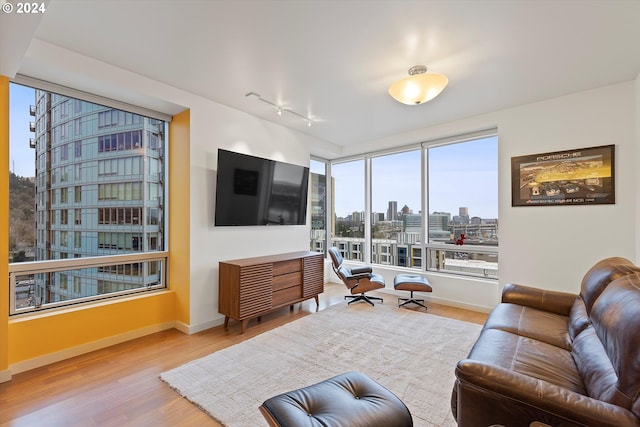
(540, 325)
(528, 357)
(597, 372)
(578, 318)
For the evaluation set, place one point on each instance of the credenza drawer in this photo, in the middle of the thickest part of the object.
(285, 296)
(287, 280)
(288, 266)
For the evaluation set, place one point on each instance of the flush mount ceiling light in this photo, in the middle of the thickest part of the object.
(419, 87)
(280, 108)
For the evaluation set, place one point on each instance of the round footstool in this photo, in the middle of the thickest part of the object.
(351, 399)
(412, 283)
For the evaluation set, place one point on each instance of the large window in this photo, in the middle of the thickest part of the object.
(463, 207)
(318, 174)
(457, 182)
(349, 208)
(396, 213)
(78, 190)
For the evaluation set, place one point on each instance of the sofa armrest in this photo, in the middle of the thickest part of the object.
(542, 299)
(489, 391)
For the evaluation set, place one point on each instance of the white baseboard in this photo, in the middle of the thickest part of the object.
(441, 301)
(68, 353)
(194, 329)
(182, 327)
(5, 376)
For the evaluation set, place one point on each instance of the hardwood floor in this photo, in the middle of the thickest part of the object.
(120, 385)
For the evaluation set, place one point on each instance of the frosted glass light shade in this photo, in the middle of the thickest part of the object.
(419, 87)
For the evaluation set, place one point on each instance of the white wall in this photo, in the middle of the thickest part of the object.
(214, 126)
(551, 247)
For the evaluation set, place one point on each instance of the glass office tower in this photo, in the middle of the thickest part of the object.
(99, 191)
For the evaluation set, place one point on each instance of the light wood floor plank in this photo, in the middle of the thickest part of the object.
(120, 385)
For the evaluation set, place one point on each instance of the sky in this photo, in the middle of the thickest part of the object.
(460, 175)
(21, 158)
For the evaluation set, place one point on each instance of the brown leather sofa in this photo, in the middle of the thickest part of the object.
(557, 359)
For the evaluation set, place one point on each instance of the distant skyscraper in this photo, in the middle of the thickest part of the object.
(392, 211)
(462, 217)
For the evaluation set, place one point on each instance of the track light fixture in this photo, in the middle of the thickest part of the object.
(279, 108)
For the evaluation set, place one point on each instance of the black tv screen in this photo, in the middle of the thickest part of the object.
(255, 191)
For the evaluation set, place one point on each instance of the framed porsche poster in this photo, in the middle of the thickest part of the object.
(582, 176)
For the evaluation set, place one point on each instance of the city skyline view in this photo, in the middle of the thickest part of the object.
(461, 174)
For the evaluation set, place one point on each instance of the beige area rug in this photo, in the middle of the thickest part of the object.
(412, 353)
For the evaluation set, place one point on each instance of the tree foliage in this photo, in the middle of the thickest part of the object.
(22, 224)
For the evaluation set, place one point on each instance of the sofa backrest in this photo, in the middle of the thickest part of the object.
(606, 352)
(600, 275)
(594, 282)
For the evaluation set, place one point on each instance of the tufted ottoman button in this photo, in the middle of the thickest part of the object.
(372, 405)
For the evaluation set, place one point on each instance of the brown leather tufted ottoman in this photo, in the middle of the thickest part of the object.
(412, 283)
(351, 399)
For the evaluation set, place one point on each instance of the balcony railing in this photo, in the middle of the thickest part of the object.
(41, 285)
(468, 260)
(464, 260)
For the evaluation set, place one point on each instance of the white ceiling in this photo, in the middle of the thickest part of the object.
(334, 60)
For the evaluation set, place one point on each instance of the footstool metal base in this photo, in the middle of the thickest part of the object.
(411, 300)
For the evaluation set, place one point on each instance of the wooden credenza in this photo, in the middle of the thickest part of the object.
(251, 287)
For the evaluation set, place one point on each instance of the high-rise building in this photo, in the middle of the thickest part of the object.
(318, 201)
(439, 229)
(411, 223)
(392, 211)
(377, 217)
(462, 217)
(99, 191)
(357, 216)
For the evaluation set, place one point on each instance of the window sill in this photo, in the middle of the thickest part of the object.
(18, 318)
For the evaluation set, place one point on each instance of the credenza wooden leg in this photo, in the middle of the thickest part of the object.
(226, 322)
(243, 326)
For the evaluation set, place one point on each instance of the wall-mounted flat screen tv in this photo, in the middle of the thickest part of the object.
(255, 191)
